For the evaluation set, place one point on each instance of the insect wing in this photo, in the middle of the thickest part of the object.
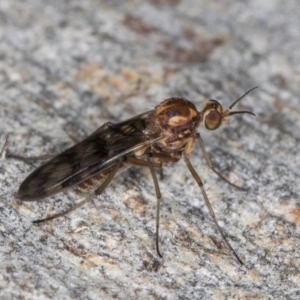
(97, 153)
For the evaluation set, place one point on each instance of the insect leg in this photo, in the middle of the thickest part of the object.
(199, 181)
(151, 165)
(208, 161)
(158, 197)
(141, 162)
(3, 152)
(97, 192)
(165, 157)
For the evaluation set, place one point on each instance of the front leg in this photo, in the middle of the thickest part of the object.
(208, 161)
(210, 209)
(165, 157)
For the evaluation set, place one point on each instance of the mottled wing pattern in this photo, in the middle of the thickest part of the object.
(95, 154)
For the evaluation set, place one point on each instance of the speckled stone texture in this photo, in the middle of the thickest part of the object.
(67, 67)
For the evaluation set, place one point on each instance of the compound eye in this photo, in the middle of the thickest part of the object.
(213, 120)
(212, 114)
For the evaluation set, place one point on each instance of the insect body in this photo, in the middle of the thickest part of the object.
(151, 139)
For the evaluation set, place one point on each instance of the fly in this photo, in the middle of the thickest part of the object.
(152, 139)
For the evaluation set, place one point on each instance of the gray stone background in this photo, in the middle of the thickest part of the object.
(66, 67)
